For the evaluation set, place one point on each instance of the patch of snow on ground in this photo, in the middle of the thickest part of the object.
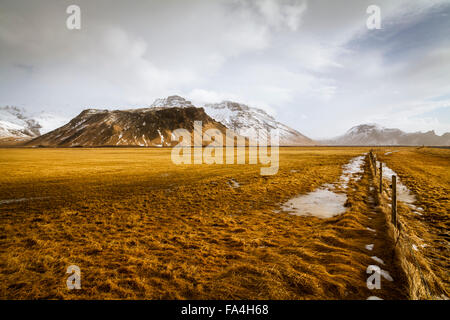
(374, 298)
(377, 259)
(354, 167)
(403, 193)
(234, 184)
(385, 274)
(323, 202)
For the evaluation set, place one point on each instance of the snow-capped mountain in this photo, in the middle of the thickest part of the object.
(16, 125)
(134, 127)
(373, 134)
(242, 119)
(172, 101)
(245, 120)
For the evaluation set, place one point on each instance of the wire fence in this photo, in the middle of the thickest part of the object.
(400, 230)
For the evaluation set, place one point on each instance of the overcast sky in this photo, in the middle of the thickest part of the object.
(313, 64)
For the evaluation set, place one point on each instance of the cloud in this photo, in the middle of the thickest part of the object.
(417, 116)
(281, 13)
(312, 63)
(315, 56)
(201, 96)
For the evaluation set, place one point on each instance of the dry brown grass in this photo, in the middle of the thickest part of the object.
(423, 240)
(140, 227)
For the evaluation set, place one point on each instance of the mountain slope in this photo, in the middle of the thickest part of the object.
(242, 119)
(134, 127)
(16, 126)
(245, 120)
(372, 134)
(172, 101)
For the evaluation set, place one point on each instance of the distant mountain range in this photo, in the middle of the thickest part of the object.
(149, 127)
(373, 135)
(153, 126)
(17, 125)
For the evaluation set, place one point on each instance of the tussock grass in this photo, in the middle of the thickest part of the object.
(422, 240)
(139, 226)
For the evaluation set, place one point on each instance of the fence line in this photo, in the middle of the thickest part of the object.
(394, 220)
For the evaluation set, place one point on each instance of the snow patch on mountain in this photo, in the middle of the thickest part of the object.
(172, 101)
(15, 123)
(242, 119)
(246, 121)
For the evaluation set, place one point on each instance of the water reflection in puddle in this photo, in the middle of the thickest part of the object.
(351, 169)
(403, 193)
(323, 202)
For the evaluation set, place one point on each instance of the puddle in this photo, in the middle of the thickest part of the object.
(352, 170)
(323, 202)
(403, 193)
(19, 200)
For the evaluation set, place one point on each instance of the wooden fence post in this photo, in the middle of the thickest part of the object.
(372, 161)
(375, 164)
(394, 200)
(381, 177)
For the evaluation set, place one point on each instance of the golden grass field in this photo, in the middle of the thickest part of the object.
(425, 171)
(141, 227)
